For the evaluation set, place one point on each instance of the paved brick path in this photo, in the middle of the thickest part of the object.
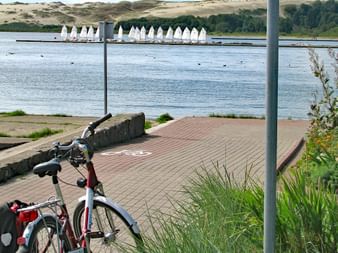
(170, 156)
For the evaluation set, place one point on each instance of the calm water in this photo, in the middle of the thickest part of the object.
(181, 80)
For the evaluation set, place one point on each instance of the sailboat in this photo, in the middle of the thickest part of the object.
(131, 34)
(159, 35)
(151, 34)
(90, 34)
(83, 33)
(143, 34)
(186, 35)
(170, 35)
(137, 34)
(194, 35)
(178, 35)
(97, 34)
(64, 33)
(120, 34)
(73, 34)
(202, 38)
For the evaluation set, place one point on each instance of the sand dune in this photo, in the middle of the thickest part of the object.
(92, 12)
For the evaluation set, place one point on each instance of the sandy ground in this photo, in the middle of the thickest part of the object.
(90, 13)
(24, 125)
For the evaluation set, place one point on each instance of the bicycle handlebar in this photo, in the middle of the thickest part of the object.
(90, 128)
(92, 125)
(100, 121)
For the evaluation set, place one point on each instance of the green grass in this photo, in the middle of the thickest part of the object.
(147, 124)
(163, 118)
(4, 135)
(42, 133)
(13, 113)
(234, 116)
(60, 115)
(221, 215)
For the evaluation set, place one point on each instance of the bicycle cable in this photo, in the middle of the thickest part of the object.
(70, 184)
(66, 183)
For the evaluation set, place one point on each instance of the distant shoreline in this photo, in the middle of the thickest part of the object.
(281, 38)
(234, 44)
(244, 36)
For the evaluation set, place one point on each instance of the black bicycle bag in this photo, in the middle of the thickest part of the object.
(10, 226)
(8, 229)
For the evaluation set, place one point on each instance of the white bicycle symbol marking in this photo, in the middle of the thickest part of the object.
(127, 152)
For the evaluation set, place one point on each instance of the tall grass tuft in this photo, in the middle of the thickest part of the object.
(42, 133)
(221, 215)
(4, 135)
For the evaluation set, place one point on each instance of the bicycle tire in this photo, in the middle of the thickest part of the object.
(35, 245)
(125, 239)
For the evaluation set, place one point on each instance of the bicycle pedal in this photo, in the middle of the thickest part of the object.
(94, 235)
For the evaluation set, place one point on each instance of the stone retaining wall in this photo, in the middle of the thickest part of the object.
(21, 159)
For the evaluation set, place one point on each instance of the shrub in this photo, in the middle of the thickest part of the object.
(324, 110)
(164, 118)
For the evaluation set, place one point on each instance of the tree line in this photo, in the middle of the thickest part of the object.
(317, 18)
(308, 19)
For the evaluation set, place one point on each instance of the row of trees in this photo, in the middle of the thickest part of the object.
(316, 18)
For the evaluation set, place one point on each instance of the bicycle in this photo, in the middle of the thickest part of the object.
(112, 228)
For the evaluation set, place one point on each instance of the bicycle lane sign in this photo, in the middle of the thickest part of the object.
(136, 153)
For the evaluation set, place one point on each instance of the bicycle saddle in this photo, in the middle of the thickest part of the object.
(49, 168)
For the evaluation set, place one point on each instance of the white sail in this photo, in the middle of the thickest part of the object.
(97, 34)
(178, 35)
(90, 34)
(137, 34)
(159, 35)
(73, 33)
(120, 34)
(143, 34)
(151, 34)
(131, 34)
(64, 33)
(194, 35)
(170, 35)
(83, 33)
(202, 38)
(186, 35)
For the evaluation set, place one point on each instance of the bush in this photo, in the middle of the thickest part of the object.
(164, 118)
(320, 158)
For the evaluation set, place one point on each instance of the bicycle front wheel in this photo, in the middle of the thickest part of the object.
(46, 237)
(111, 230)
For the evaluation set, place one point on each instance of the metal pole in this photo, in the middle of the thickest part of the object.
(105, 65)
(271, 127)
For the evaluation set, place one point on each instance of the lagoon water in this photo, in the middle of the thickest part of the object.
(48, 78)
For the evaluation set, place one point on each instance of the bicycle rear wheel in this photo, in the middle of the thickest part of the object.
(44, 238)
(115, 233)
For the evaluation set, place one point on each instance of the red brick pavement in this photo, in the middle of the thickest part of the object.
(177, 150)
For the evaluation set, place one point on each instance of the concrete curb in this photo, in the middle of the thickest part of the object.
(160, 126)
(288, 157)
(21, 159)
